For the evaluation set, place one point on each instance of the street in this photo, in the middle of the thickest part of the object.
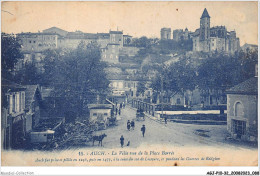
(174, 134)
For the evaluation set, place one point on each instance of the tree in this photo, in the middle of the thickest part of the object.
(10, 54)
(248, 60)
(51, 65)
(29, 74)
(141, 87)
(178, 77)
(77, 74)
(142, 42)
(222, 71)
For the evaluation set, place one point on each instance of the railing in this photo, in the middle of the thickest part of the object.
(146, 107)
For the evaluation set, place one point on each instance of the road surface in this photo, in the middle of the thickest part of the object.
(175, 134)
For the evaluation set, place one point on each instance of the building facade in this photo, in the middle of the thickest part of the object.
(208, 39)
(34, 44)
(33, 100)
(12, 116)
(242, 113)
(20, 114)
(180, 34)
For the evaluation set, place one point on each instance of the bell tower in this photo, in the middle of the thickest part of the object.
(205, 31)
(204, 26)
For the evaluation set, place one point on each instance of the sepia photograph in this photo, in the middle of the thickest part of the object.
(125, 83)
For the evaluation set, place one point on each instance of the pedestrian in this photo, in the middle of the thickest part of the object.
(119, 111)
(120, 105)
(165, 119)
(128, 125)
(124, 105)
(116, 111)
(143, 130)
(133, 124)
(122, 139)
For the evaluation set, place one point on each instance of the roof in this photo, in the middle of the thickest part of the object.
(55, 30)
(127, 36)
(46, 92)
(9, 86)
(113, 44)
(205, 14)
(29, 95)
(43, 132)
(249, 86)
(249, 45)
(99, 106)
(116, 32)
(36, 33)
(165, 29)
(103, 35)
(196, 33)
(81, 35)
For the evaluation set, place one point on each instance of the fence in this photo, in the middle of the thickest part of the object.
(146, 107)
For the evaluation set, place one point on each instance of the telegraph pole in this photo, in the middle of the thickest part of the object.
(162, 95)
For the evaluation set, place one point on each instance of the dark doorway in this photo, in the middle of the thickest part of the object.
(239, 128)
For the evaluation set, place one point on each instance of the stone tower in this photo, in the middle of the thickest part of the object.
(165, 33)
(205, 30)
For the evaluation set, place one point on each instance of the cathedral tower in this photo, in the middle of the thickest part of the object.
(204, 26)
(205, 30)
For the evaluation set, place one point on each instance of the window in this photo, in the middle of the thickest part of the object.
(17, 105)
(33, 107)
(239, 109)
(10, 103)
(13, 101)
(30, 41)
(23, 101)
(34, 41)
(178, 101)
(105, 114)
(111, 56)
(94, 114)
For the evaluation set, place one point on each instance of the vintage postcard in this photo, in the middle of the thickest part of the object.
(129, 83)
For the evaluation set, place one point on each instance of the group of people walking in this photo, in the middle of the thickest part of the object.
(130, 125)
(118, 108)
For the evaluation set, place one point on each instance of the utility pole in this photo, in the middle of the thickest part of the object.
(162, 95)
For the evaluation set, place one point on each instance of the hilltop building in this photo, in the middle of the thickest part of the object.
(33, 44)
(217, 38)
(179, 34)
(166, 33)
(249, 47)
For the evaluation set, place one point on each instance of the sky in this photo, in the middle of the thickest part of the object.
(134, 18)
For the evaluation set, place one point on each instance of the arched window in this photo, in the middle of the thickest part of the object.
(178, 101)
(239, 109)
